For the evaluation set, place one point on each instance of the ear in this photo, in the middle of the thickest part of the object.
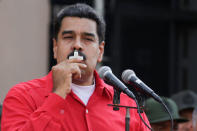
(101, 51)
(54, 48)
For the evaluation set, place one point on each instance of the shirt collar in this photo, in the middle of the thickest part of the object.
(103, 88)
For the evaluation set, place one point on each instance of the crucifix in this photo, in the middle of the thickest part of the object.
(76, 56)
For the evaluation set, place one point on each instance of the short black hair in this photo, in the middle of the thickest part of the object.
(83, 11)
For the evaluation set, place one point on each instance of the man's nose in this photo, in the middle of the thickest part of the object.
(77, 45)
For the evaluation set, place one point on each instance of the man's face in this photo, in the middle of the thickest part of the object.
(186, 126)
(164, 126)
(80, 34)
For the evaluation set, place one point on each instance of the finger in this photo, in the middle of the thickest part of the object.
(75, 70)
(75, 60)
(80, 63)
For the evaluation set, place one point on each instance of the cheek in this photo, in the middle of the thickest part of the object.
(94, 54)
(92, 57)
(62, 53)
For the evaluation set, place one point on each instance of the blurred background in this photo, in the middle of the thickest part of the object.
(156, 39)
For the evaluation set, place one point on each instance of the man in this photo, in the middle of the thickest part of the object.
(158, 116)
(71, 97)
(194, 119)
(186, 101)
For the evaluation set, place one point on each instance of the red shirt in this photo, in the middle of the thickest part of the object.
(30, 106)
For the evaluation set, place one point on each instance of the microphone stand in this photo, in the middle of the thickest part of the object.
(127, 119)
(116, 107)
(116, 99)
(127, 116)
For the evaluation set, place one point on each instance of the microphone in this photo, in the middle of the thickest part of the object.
(106, 74)
(129, 77)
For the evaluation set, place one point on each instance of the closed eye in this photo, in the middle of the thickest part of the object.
(67, 37)
(89, 39)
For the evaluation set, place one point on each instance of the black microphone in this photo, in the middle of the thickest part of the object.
(129, 77)
(106, 74)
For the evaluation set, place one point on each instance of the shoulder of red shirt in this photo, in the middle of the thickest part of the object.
(46, 84)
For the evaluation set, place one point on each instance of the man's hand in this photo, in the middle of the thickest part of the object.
(63, 74)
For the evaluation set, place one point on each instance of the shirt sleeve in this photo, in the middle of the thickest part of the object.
(19, 113)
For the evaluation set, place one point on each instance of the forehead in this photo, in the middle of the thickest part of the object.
(186, 112)
(78, 25)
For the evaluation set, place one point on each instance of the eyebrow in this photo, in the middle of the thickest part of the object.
(67, 32)
(89, 34)
(85, 33)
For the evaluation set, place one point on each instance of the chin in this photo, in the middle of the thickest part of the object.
(86, 78)
(78, 81)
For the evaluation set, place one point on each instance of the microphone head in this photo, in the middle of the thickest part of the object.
(127, 74)
(103, 71)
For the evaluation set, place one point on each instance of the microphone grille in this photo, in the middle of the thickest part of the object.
(103, 70)
(126, 75)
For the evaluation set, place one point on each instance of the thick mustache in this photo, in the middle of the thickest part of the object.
(79, 53)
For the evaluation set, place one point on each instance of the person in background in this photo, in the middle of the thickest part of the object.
(158, 116)
(186, 101)
(72, 97)
(194, 119)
